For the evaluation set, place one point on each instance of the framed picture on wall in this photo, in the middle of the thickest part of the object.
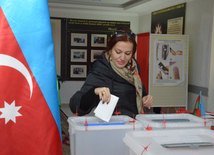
(95, 54)
(99, 40)
(78, 39)
(78, 55)
(78, 71)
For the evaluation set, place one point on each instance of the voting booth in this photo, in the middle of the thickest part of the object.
(170, 142)
(93, 136)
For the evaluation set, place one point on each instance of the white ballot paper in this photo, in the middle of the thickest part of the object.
(104, 111)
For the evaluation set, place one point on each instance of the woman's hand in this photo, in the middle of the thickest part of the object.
(147, 101)
(104, 93)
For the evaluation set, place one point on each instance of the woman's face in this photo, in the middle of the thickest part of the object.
(121, 53)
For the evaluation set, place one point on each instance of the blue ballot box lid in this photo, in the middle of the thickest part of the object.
(93, 123)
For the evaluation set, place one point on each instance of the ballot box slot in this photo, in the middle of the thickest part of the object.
(102, 124)
(170, 120)
(191, 145)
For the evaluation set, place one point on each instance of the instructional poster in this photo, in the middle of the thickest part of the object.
(168, 62)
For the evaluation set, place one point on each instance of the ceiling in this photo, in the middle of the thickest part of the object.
(129, 6)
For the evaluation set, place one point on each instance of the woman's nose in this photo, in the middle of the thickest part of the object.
(122, 57)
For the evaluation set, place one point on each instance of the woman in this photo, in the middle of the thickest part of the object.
(115, 72)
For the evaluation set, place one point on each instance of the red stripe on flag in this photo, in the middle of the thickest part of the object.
(198, 99)
(197, 112)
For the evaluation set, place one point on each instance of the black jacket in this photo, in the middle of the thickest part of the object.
(102, 75)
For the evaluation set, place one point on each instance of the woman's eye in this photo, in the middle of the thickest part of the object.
(117, 52)
(128, 53)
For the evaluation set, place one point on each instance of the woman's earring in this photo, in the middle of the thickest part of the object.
(110, 57)
(130, 60)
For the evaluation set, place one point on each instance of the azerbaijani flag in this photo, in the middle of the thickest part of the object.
(29, 106)
(199, 107)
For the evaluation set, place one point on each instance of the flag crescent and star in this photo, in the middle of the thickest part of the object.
(29, 103)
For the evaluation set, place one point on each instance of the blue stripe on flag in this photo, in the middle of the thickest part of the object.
(201, 106)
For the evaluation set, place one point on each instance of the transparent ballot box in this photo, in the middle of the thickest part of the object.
(170, 142)
(90, 135)
(172, 121)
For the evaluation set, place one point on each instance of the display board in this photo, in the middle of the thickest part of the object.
(86, 40)
(169, 20)
(168, 70)
(79, 42)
